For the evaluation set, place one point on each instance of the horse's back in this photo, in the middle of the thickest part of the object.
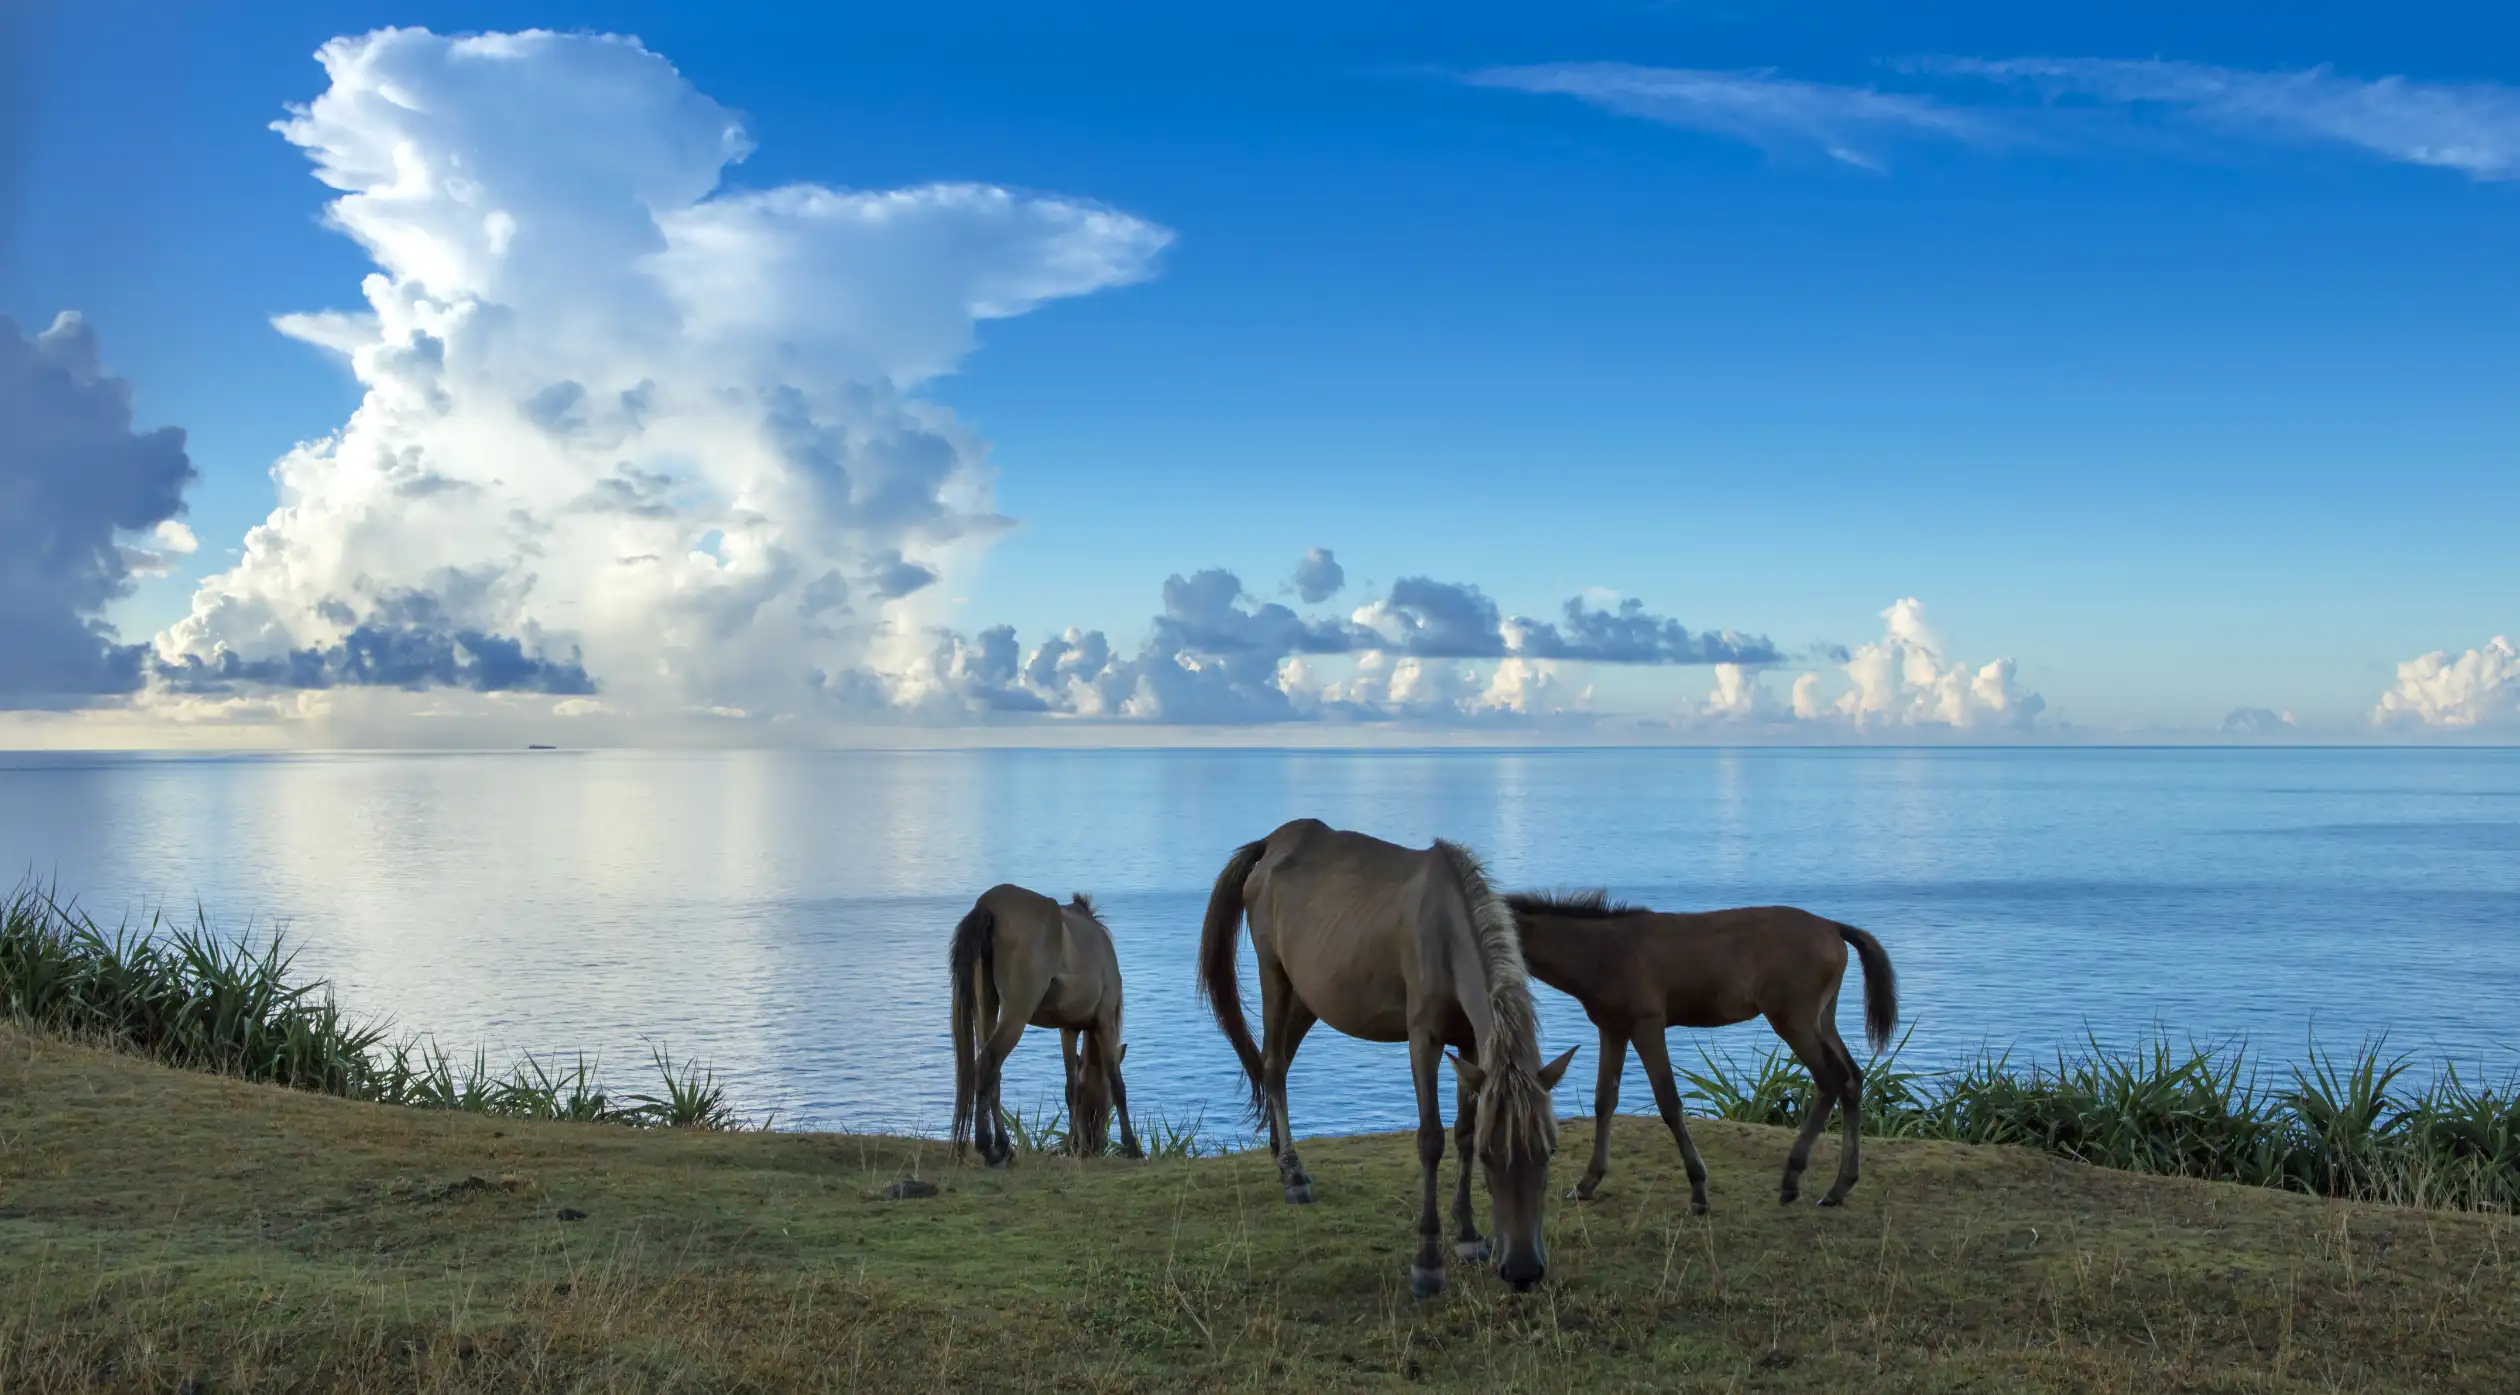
(1720, 967)
(1341, 914)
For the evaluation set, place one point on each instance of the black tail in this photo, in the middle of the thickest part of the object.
(1218, 982)
(1881, 986)
(968, 959)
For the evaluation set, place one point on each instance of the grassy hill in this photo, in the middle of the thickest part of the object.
(170, 1230)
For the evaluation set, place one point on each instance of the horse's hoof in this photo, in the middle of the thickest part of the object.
(1787, 1197)
(1299, 1194)
(1698, 1208)
(1425, 1282)
(1475, 1251)
(1833, 1199)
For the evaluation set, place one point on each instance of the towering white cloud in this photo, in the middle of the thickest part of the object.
(2477, 689)
(623, 430)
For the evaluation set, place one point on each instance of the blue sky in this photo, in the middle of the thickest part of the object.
(2182, 414)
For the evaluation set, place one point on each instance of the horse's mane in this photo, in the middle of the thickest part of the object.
(1085, 902)
(1591, 904)
(1509, 1057)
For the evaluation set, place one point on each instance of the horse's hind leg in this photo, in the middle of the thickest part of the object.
(1108, 1050)
(1012, 1012)
(1651, 1050)
(1808, 1047)
(1285, 1020)
(1851, 1095)
(1073, 1074)
(1467, 1242)
(1614, 1044)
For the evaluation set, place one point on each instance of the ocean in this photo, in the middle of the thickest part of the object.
(784, 915)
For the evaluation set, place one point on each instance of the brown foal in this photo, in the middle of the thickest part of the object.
(1639, 972)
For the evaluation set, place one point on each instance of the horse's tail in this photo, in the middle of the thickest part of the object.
(1881, 985)
(974, 940)
(1219, 982)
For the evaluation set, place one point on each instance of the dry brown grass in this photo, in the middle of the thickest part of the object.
(170, 1231)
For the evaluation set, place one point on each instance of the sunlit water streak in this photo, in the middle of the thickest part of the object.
(784, 915)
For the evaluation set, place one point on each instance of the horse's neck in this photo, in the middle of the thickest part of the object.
(1570, 956)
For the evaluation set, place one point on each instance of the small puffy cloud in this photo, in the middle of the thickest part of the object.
(1849, 124)
(1904, 680)
(86, 504)
(167, 544)
(1319, 576)
(2478, 689)
(621, 426)
(2256, 721)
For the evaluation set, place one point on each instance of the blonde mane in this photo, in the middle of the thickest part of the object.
(1512, 1098)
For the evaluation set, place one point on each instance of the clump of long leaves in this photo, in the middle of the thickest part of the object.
(188, 997)
(1043, 1131)
(2348, 1127)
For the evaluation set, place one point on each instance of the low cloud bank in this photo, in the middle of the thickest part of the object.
(1426, 650)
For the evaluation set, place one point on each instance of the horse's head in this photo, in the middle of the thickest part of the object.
(1089, 1099)
(1517, 1132)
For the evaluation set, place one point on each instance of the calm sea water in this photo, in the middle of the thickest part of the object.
(784, 915)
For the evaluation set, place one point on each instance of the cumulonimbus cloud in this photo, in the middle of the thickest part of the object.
(86, 504)
(622, 428)
(2475, 690)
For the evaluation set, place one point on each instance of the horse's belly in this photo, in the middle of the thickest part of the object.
(1353, 998)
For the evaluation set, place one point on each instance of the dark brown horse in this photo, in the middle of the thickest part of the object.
(1639, 972)
(1387, 943)
(1020, 958)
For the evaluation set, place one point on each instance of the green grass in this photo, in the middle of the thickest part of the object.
(210, 1179)
(2357, 1127)
(164, 1229)
(190, 997)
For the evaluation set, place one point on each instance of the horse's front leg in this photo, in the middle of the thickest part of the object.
(1605, 1109)
(1467, 1242)
(1426, 1276)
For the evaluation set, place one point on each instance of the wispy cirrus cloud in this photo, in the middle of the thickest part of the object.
(2473, 128)
(1853, 125)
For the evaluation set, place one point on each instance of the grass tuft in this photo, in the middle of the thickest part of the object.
(2351, 1127)
(188, 997)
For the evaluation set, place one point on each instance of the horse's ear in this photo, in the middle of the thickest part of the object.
(1555, 1071)
(1470, 1075)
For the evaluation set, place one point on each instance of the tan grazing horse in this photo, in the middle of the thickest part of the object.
(1388, 943)
(1018, 959)
(1638, 972)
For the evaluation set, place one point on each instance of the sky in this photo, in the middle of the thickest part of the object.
(665, 373)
